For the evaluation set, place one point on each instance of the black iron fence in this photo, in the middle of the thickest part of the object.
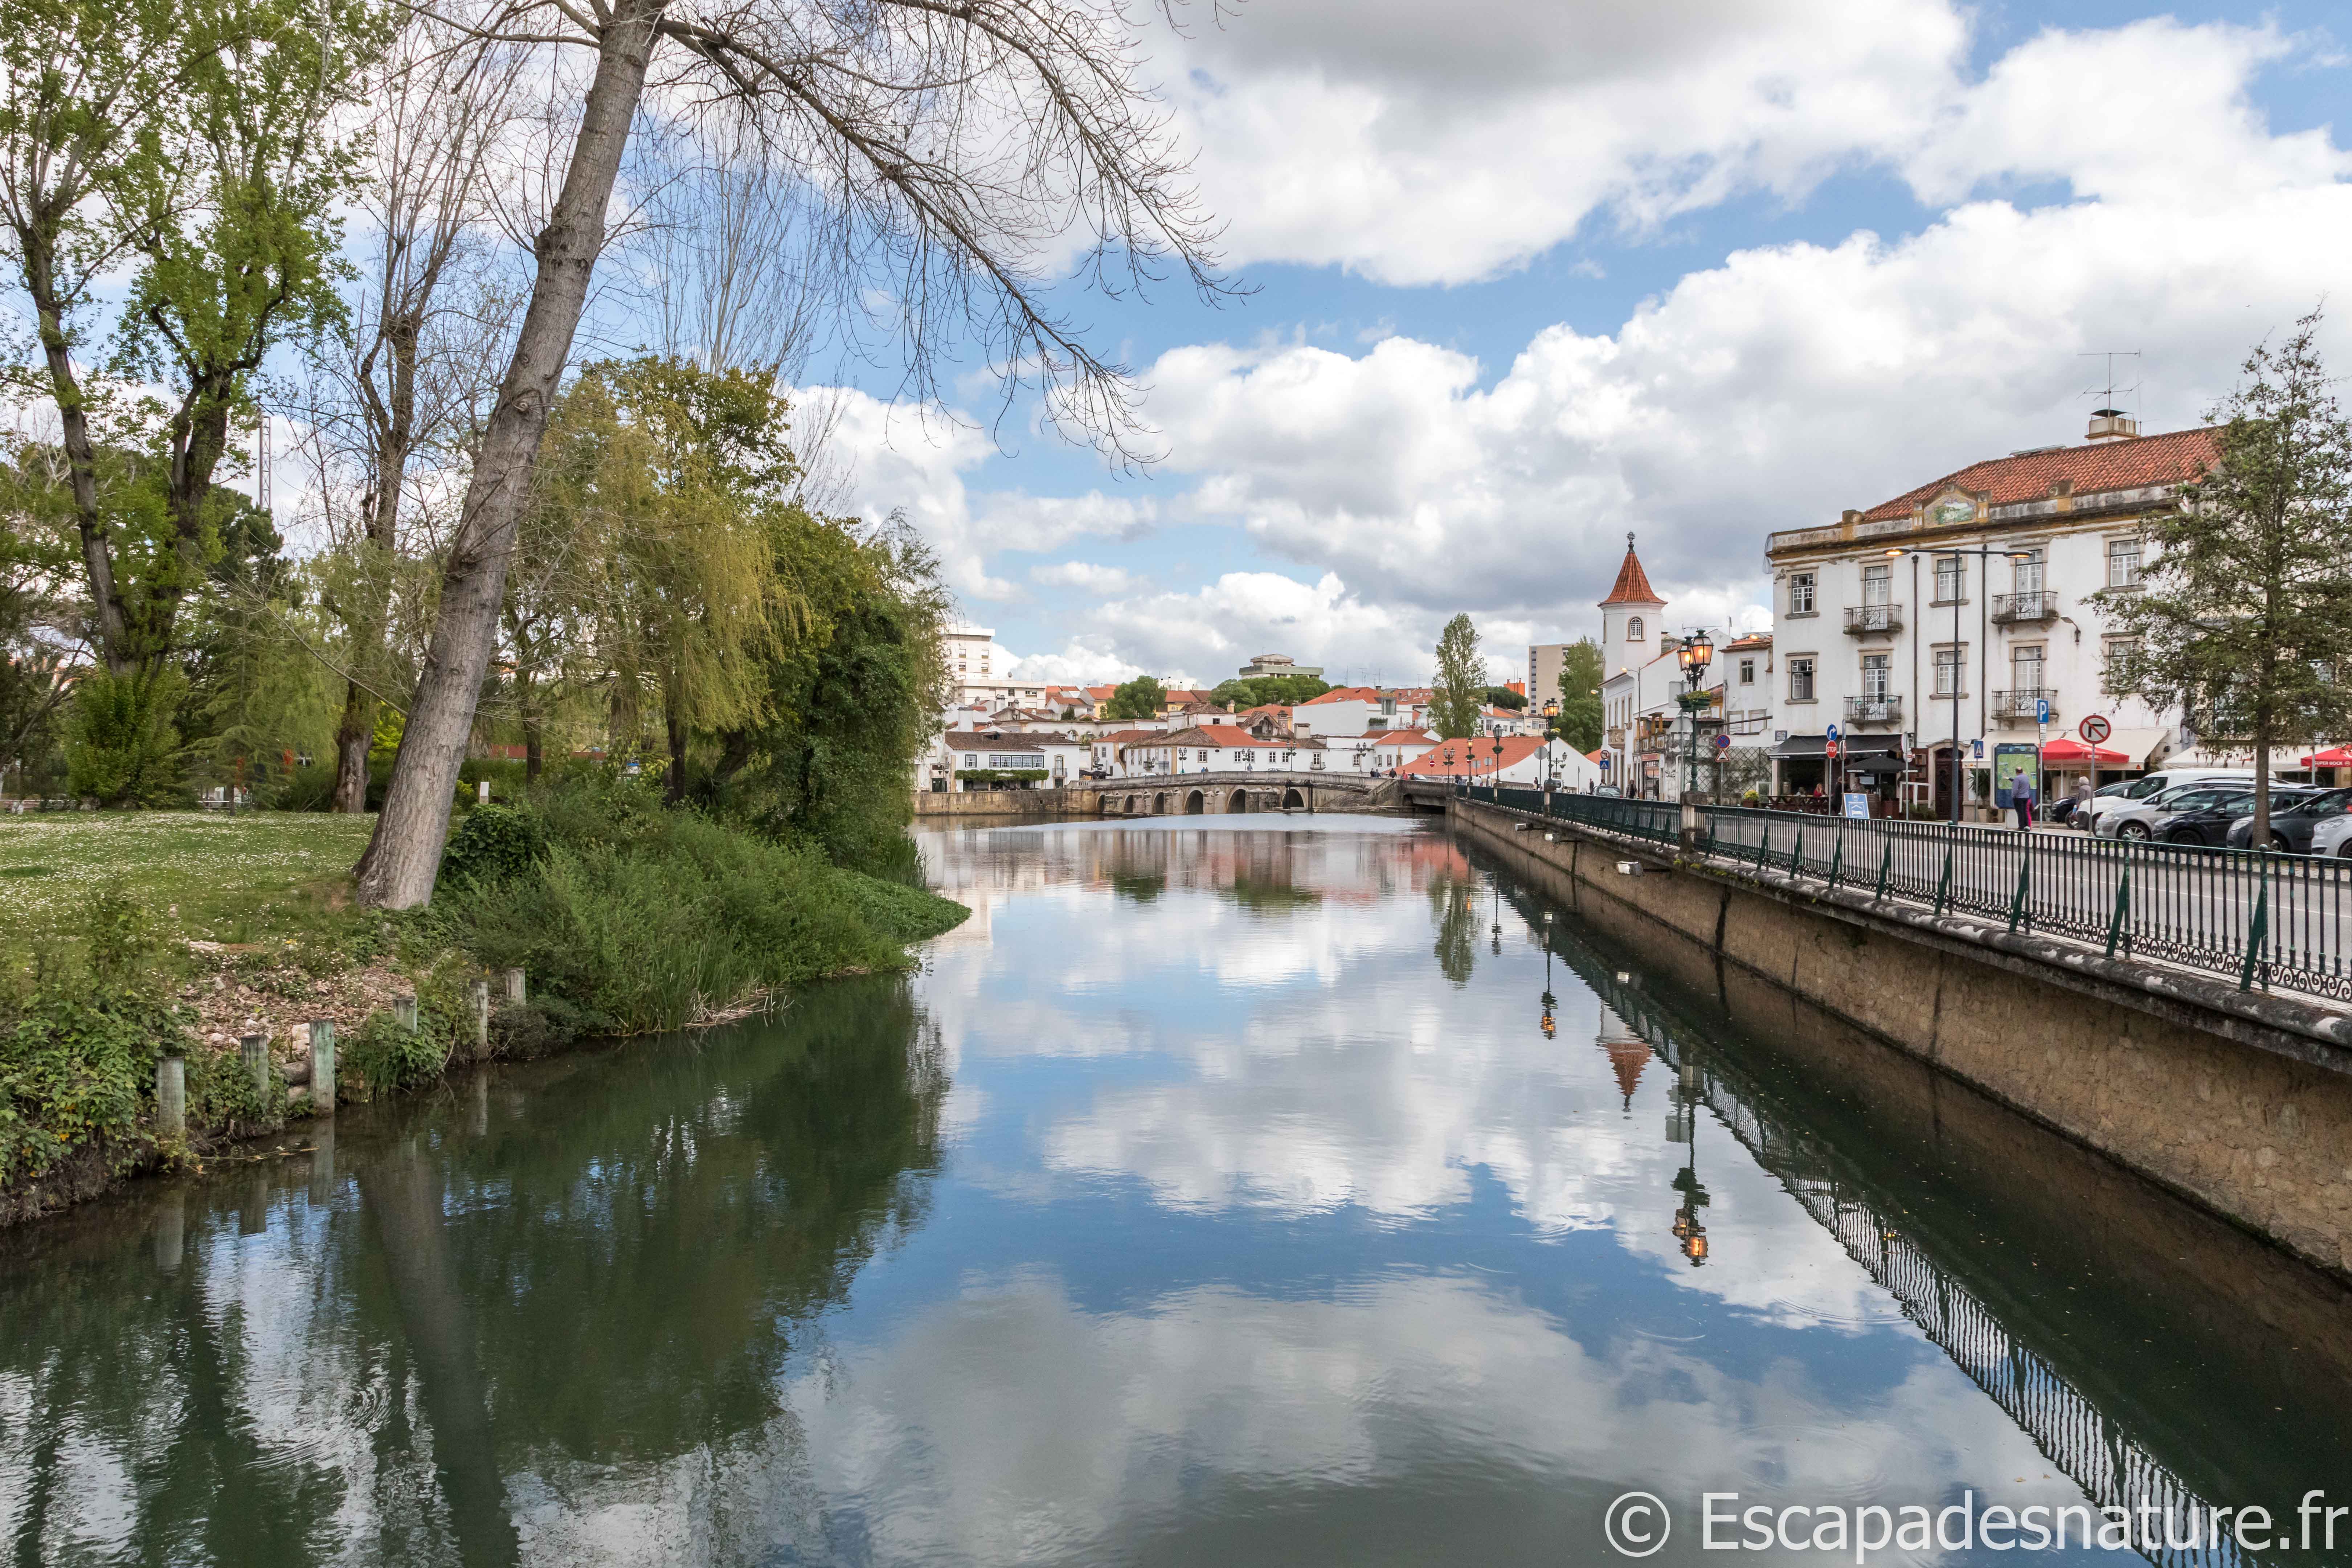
(2261, 919)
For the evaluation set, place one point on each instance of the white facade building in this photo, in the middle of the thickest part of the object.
(1958, 611)
(1222, 748)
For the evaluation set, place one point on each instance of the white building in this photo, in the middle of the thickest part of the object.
(1353, 711)
(1222, 748)
(954, 757)
(1958, 612)
(1510, 759)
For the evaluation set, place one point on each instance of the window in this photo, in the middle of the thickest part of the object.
(1634, 629)
(1951, 580)
(1951, 672)
(2118, 649)
(1747, 673)
(2029, 572)
(1800, 593)
(1876, 585)
(2025, 666)
(1800, 679)
(1875, 672)
(1016, 760)
(2123, 562)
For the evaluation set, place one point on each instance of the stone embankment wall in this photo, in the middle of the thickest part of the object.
(2242, 1107)
(935, 804)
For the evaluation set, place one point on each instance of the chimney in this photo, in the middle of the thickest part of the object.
(2112, 425)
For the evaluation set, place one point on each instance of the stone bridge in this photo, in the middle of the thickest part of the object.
(1223, 795)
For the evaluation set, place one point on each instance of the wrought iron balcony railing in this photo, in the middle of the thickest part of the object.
(1862, 619)
(2022, 706)
(1874, 709)
(2013, 609)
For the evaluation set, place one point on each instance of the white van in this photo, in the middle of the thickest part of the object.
(2139, 789)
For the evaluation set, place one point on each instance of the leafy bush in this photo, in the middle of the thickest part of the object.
(122, 746)
(381, 1055)
(223, 1095)
(121, 935)
(76, 1063)
(494, 841)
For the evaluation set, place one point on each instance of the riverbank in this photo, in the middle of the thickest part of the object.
(160, 934)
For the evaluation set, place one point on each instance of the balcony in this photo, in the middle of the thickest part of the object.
(1860, 620)
(2024, 609)
(1873, 710)
(2020, 706)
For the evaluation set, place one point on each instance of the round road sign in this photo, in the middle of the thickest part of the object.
(2095, 728)
(1831, 749)
(1722, 742)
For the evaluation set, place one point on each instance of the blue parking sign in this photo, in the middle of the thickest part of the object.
(2042, 710)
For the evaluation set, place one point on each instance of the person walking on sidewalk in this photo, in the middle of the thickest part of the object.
(2083, 793)
(2020, 795)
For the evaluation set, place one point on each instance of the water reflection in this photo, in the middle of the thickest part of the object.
(1300, 1191)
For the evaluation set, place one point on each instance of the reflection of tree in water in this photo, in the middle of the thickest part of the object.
(614, 1273)
(1457, 929)
(1268, 895)
(1138, 887)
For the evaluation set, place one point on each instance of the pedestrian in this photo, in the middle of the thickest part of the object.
(2083, 793)
(2021, 794)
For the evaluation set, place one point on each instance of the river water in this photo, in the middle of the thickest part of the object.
(1285, 1190)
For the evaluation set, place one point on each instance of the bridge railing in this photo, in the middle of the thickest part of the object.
(2258, 918)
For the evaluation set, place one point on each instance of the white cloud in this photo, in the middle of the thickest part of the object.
(1085, 577)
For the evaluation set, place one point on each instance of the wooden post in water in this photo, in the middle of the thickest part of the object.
(322, 1067)
(171, 1098)
(481, 1017)
(514, 985)
(257, 1061)
(482, 791)
(403, 1013)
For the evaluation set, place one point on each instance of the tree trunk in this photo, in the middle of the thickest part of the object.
(81, 457)
(673, 784)
(353, 735)
(405, 856)
(2260, 838)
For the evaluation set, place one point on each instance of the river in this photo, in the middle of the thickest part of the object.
(1293, 1190)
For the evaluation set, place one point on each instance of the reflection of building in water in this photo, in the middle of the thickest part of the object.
(1629, 1052)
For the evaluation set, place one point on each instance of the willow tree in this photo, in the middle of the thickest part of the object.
(957, 159)
(676, 470)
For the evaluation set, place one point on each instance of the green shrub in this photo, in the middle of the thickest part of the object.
(76, 1065)
(381, 1055)
(310, 787)
(223, 1095)
(120, 935)
(494, 841)
(122, 746)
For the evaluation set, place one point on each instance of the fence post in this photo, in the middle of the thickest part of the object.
(1797, 856)
(514, 985)
(2024, 870)
(322, 1067)
(1944, 887)
(1885, 865)
(171, 1098)
(257, 1061)
(2123, 910)
(1837, 857)
(1764, 850)
(2259, 931)
(403, 1013)
(482, 1017)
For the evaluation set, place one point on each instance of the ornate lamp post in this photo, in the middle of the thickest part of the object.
(1696, 654)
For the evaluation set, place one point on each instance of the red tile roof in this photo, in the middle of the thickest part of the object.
(2173, 458)
(1633, 582)
(1346, 694)
(1480, 754)
(1402, 737)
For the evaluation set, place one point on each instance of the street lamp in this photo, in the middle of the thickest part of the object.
(1954, 550)
(1696, 654)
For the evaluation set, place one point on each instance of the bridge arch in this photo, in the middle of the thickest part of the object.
(1293, 800)
(1238, 801)
(1160, 803)
(1195, 804)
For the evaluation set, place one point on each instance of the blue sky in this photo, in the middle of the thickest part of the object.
(1528, 277)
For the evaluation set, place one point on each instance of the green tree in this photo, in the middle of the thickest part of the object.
(1459, 688)
(2244, 608)
(1504, 697)
(1141, 698)
(1579, 696)
(1257, 690)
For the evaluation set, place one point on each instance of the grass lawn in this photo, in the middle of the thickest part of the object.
(203, 875)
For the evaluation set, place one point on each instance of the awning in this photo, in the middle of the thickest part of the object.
(1853, 748)
(2074, 754)
(2138, 745)
(2334, 757)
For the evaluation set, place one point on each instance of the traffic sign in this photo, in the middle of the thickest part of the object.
(2095, 728)
(2042, 710)
(1722, 742)
(1833, 732)
(1830, 750)
(1604, 762)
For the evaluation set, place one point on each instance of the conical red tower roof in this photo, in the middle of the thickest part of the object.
(1633, 582)
(1627, 1058)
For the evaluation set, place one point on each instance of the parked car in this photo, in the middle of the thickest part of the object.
(2139, 819)
(2333, 836)
(2138, 791)
(2206, 815)
(2292, 823)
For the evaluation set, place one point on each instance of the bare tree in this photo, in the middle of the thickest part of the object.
(959, 156)
(440, 111)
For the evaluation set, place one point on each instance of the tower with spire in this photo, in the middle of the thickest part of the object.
(1630, 617)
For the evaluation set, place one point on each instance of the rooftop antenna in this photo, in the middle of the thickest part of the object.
(2110, 421)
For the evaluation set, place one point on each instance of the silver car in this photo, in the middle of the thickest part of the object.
(2141, 819)
(2333, 836)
